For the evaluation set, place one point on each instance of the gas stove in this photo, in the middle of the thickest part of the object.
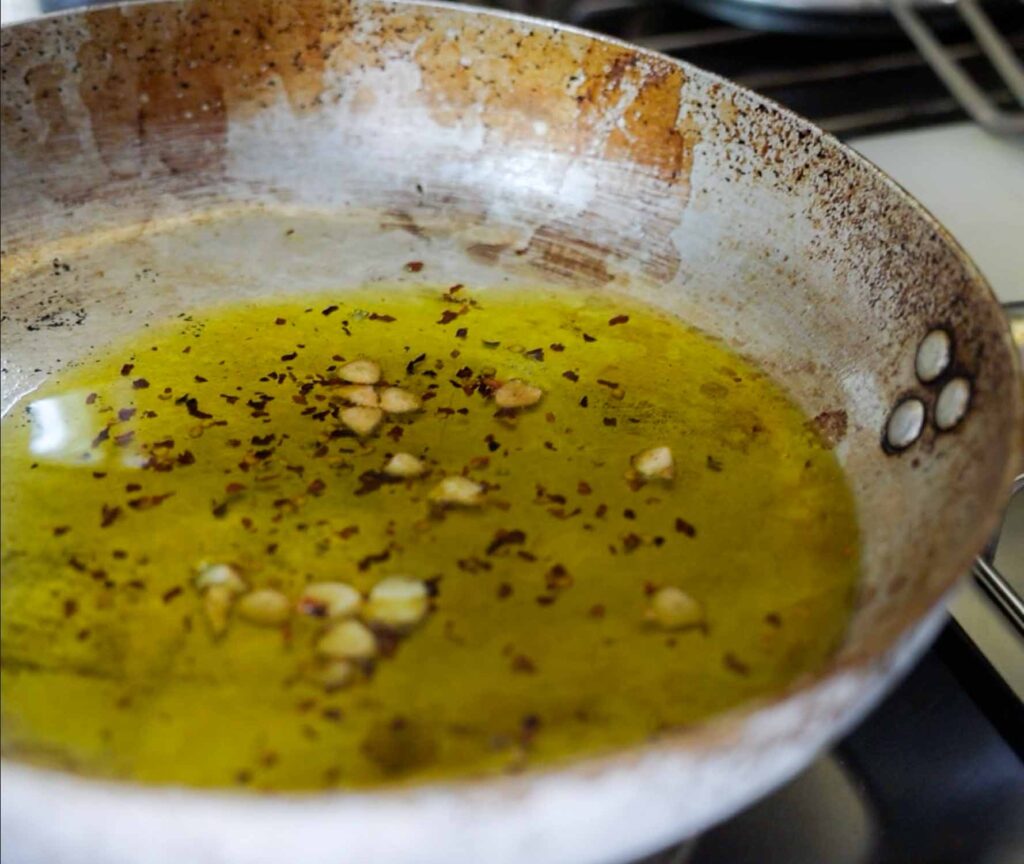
(936, 773)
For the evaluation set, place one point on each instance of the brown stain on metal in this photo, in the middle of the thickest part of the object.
(621, 108)
(159, 81)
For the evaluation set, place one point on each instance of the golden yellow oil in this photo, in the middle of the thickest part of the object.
(216, 438)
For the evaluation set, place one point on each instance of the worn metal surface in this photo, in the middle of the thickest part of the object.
(159, 154)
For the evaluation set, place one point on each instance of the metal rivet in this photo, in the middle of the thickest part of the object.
(933, 355)
(951, 406)
(905, 424)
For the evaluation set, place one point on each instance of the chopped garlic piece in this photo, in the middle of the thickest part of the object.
(397, 602)
(395, 400)
(458, 490)
(360, 419)
(360, 394)
(360, 372)
(656, 463)
(217, 602)
(674, 609)
(404, 465)
(336, 674)
(210, 575)
(349, 640)
(517, 394)
(330, 600)
(265, 606)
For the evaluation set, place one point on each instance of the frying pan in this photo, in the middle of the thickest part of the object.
(499, 150)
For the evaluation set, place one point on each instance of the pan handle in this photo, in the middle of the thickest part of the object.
(984, 570)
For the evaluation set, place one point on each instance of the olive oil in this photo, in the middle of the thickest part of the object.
(640, 531)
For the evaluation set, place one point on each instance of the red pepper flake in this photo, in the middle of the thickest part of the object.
(317, 487)
(631, 542)
(171, 593)
(125, 414)
(610, 421)
(231, 400)
(523, 665)
(504, 590)
(367, 561)
(108, 515)
(572, 376)
(464, 372)
(147, 502)
(557, 346)
(234, 488)
(558, 578)
(287, 358)
(601, 510)
(544, 599)
(348, 531)
(414, 266)
(124, 438)
(61, 530)
(140, 384)
(773, 619)
(199, 379)
(325, 312)
(734, 664)
(597, 611)
(192, 406)
(505, 538)
(535, 354)
(126, 370)
(583, 488)
(714, 464)
(588, 338)
(102, 436)
(629, 514)
(280, 321)
(386, 319)
(447, 316)
(618, 319)
(473, 565)
(70, 608)
(684, 527)
(91, 398)
(185, 457)
(462, 333)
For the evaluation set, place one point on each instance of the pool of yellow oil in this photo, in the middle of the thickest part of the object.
(215, 438)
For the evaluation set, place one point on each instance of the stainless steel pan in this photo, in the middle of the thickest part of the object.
(495, 147)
